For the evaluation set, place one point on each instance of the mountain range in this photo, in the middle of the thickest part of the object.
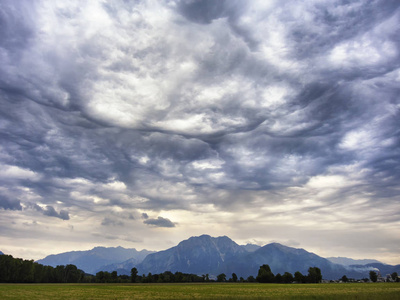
(96, 259)
(214, 255)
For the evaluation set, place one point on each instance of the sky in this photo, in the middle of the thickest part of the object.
(143, 123)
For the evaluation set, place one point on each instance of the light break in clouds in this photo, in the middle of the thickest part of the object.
(142, 123)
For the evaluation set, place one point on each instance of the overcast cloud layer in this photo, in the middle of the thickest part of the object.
(142, 123)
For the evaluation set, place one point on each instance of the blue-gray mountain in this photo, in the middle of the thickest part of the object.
(98, 258)
(348, 261)
(197, 255)
(283, 259)
(209, 255)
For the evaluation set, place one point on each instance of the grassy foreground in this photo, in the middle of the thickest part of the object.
(201, 291)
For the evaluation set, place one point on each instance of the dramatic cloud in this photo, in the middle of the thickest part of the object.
(159, 222)
(51, 212)
(11, 204)
(260, 120)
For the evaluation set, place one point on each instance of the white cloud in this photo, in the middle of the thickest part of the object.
(9, 172)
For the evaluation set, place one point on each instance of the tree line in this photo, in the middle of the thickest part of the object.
(17, 270)
(265, 275)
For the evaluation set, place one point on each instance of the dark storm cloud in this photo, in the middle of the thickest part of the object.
(202, 11)
(50, 211)
(11, 204)
(159, 222)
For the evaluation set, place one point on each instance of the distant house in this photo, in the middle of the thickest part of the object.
(380, 278)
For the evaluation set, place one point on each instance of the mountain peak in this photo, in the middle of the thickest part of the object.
(198, 254)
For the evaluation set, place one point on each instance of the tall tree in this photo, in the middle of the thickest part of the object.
(314, 275)
(265, 274)
(287, 277)
(221, 277)
(298, 277)
(134, 273)
(373, 276)
(395, 276)
(114, 276)
(278, 278)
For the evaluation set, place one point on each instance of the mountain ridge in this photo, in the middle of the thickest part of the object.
(94, 259)
(345, 261)
(202, 254)
(212, 255)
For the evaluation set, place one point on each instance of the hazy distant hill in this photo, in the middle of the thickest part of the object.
(349, 261)
(1, 253)
(383, 268)
(92, 260)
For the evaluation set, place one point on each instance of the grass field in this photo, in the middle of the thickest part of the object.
(389, 291)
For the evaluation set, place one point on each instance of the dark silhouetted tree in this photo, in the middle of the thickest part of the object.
(314, 275)
(72, 274)
(221, 277)
(114, 276)
(234, 277)
(287, 278)
(134, 273)
(265, 274)
(373, 276)
(278, 278)
(299, 278)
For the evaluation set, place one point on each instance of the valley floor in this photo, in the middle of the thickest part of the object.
(201, 291)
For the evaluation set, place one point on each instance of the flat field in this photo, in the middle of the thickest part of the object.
(389, 291)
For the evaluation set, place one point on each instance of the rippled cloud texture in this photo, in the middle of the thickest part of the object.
(141, 123)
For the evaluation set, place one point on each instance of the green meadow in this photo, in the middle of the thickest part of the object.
(390, 291)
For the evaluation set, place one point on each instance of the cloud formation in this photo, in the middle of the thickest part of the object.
(51, 212)
(159, 222)
(11, 204)
(234, 114)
